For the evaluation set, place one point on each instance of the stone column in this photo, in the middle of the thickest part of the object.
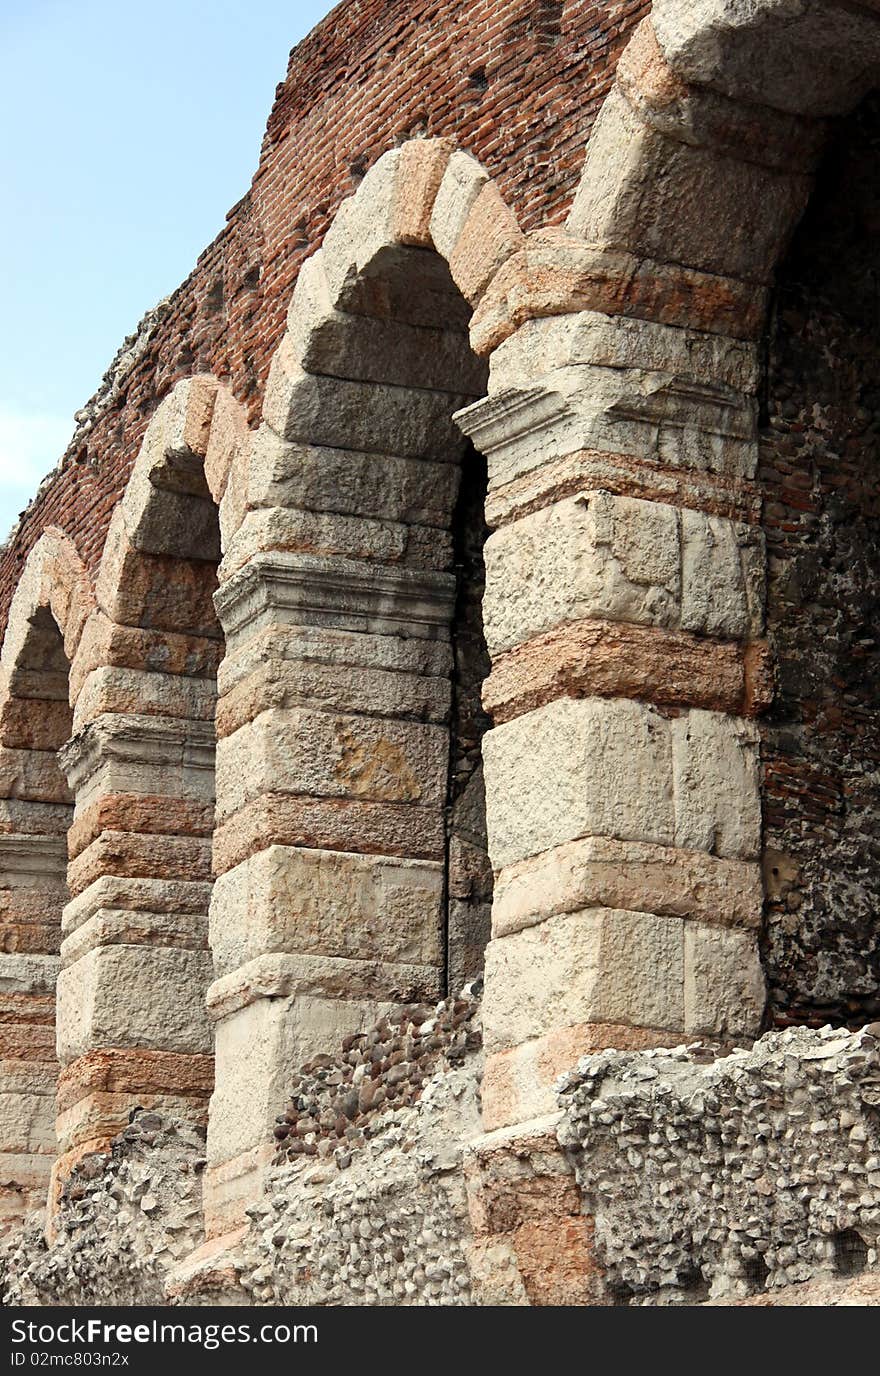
(132, 1029)
(35, 813)
(623, 613)
(329, 850)
(32, 893)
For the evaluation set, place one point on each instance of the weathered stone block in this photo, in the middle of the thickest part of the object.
(717, 801)
(314, 478)
(654, 195)
(587, 556)
(722, 576)
(328, 902)
(315, 753)
(316, 409)
(618, 341)
(130, 996)
(724, 990)
(593, 767)
(600, 965)
(327, 534)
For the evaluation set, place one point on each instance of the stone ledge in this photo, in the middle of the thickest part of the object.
(598, 658)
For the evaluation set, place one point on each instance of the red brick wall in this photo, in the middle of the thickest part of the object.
(517, 82)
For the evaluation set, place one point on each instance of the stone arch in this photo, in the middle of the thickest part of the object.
(338, 599)
(50, 607)
(621, 426)
(140, 764)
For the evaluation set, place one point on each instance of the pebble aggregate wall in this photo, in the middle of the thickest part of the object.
(724, 1178)
(391, 1230)
(336, 1100)
(821, 740)
(749, 1178)
(516, 83)
(124, 1221)
(378, 1218)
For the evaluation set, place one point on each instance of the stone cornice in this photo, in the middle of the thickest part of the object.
(345, 593)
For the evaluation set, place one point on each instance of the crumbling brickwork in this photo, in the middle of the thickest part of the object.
(819, 474)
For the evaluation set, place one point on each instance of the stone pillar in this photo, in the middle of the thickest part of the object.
(35, 813)
(329, 851)
(132, 1029)
(32, 893)
(623, 613)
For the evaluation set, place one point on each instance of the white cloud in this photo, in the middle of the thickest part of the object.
(30, 446)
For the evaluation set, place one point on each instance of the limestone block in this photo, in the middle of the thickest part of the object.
(811, 59)
(717, 800)
(28, 974)
(35, 861)
(654, 195)
(724, 990)
(350, 483)
(110, 927)
(326, 534)
(256, 1048)
(600, 965)
(128, 647)
(315, 648)
(279, 588)
(368, 349)
(333, 688)
(489, 235)
(362, 225)
(602, 872)
(23, 818)
(316, 409)
(133, 691)
(321, 755)
(164, 522)
(420, 171)
(556, 274)
(27, 1122)
(135, 588)
(136, 895)
(128, 753)
(361, 825)
(463, 180)
(50, 606)
(32, 774)
(620, 341)
(593, 555)
(227, 441)
(327, 902)
(722, 576)
(592, 767)
(139, 855)
(706, 119)
(134, 996)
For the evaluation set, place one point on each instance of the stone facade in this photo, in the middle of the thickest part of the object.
(404, 609)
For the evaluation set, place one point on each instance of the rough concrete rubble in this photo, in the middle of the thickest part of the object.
(337, 1101)
(723, 1178)
(123, 1221)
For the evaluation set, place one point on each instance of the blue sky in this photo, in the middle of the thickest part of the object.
(128, 132)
